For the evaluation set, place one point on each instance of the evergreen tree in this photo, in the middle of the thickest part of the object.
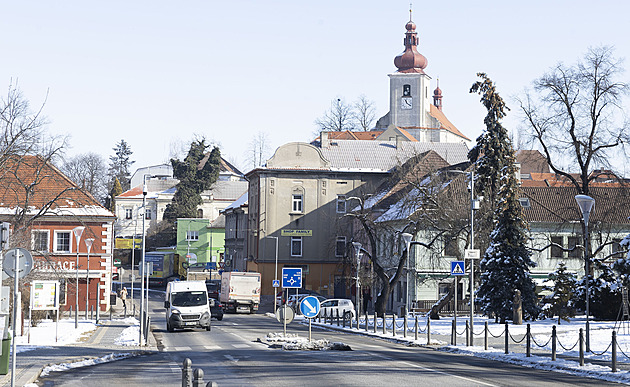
(196, 174)
(115, 191)
(506, 262)
(560, 301)
(120, 164)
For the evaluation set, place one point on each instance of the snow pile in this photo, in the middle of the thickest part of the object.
(83, 363)
(129, 336)
(292, 342)
(47, 334)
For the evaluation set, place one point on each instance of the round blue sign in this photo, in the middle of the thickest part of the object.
(310, 307)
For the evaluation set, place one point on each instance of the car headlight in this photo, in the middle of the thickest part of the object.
(175, 311)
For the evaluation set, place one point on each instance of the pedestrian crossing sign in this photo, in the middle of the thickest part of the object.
(457, 268)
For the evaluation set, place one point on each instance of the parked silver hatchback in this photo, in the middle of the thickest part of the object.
(343, 306)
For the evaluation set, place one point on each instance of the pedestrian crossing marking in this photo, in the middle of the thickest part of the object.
(457, 268)
(241, 345)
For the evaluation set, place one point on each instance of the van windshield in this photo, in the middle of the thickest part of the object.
(189, 299)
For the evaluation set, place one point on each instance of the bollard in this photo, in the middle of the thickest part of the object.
(614, 351)
(507, 338)
(91, 312)
(212, 384)
(198, 378)
(581, 340)
(467, 335)
(428, 331)
(187, 376)
(553, 343)
(367, 321)
(394, 324)
(529, 341)
(485, 335)
(405, 326)
(416, 329)
(375, 322)
(337, 317)
(453, 333)
(384, 324)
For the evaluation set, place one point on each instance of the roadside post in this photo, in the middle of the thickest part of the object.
(457, 269)
(291, 279)
(310, 308)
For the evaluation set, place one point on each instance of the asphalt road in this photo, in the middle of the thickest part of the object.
(232, 355)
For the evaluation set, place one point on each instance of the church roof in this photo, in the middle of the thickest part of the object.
(411, 61)
(444, 122)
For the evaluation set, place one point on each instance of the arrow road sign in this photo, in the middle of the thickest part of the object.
(309, 307)
(457, 268)
(292, 277)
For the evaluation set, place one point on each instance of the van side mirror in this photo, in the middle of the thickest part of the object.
(167, 304)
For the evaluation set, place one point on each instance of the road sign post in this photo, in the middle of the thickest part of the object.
(457, 269)
(310, 309)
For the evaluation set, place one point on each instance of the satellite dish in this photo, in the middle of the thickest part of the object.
(24, 264)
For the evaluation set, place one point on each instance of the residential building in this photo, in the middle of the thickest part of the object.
(201, 240)
(44, 207)
(236, 234)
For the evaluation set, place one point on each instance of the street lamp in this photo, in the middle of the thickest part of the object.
(586, 205)
(88, 244)
(78, 231)
(143, 265)
(357, 247)
(407, 238)
(275, 277)
(474, 204)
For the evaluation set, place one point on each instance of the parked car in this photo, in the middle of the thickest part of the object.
(202, 266)
(216, 309)
(214, 288)
(303, 296)
(332, 306)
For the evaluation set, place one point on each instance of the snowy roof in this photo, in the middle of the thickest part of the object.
(241, 201)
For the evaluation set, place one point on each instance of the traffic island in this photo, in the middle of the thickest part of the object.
(292, 342)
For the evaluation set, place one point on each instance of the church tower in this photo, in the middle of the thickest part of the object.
(408, 87)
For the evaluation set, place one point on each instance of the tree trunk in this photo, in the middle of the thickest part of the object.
(434, 313)
(381, 300)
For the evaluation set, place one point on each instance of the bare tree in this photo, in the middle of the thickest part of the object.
(338, 118)
(364, 113)
(575, 116)
(89, 172)
(258, 149)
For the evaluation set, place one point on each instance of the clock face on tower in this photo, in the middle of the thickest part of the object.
(406, 103)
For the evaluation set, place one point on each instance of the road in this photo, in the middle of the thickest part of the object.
(232, 355)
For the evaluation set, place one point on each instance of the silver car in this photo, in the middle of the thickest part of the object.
(344, 306)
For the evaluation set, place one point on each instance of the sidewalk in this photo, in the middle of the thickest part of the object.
(29, 364)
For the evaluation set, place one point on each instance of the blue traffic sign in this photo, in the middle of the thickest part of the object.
(292, 277)
(275, 283)
(310, 307)
(458, 268)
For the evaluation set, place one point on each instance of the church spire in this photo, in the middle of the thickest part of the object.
(437, 96)
(410, 61)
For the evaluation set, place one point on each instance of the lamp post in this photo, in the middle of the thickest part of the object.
(357, 247)
(78, 231)
(88, 244)
(586, 203)
(407, 238)
(275, 277)
(133, 254)
(473, 206)
(143, 265)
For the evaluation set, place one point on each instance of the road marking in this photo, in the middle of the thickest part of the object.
(474, 381)
(241, 345)
(212, 347)
(231, 358)
(182, 348)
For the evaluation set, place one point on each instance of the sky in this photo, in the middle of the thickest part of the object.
(158, 73)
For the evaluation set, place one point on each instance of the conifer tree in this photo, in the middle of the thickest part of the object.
(506, 262)
(120, 164)
(195, 176)
(560, 301)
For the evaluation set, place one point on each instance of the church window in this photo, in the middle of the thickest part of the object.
(406, 90)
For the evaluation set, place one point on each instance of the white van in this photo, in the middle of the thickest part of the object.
(187, 305)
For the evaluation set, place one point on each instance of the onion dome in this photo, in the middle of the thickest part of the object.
(437, 96)
(410, 61)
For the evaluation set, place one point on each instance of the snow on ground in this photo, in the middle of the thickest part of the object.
(49, 333)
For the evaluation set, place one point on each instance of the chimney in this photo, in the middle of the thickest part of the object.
(324, 139)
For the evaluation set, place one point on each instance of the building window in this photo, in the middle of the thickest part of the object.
(192, 235)
(556, 251)
(296, 203)
(451, 249)
(340, 247)
(577, 252)
(62, 241)
(147, 213)
(296, 246)
(341, 204)
(40, 240)
(128, 213)
(617, 250)
(200, 213)
(406, 90)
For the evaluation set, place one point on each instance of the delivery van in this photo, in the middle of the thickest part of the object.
(187, 306)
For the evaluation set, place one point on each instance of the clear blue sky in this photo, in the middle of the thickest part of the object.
(157, 72)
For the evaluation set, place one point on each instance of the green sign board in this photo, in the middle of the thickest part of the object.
(117, 262)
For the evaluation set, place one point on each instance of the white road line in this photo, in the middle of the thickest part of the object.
(182, 348)
(241, 345)
(475, 381)
(175, 370)
(231, 358)
(212, 347)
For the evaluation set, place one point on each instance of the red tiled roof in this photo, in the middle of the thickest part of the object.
(446, 124)
(46, 183)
